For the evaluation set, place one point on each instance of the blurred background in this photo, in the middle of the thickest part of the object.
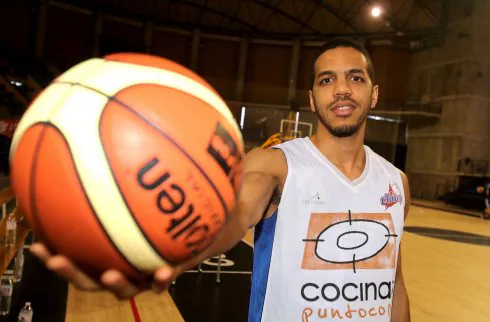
(431, 59)
(430, 56)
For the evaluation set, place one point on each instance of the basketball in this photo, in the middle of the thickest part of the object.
(130, 162)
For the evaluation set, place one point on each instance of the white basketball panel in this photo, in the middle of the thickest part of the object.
(111, 77)
(78, 120)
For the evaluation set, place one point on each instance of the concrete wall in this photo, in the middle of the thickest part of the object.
(458, 75)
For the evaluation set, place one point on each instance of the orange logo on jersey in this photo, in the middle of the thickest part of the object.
(350, 241)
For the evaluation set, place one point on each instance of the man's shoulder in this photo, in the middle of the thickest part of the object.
(264, 155)
(268, 160)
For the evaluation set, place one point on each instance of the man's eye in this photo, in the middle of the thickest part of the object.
(325, 81)
(357, 79)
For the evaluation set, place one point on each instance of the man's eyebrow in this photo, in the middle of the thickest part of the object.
(356, 71)
(325, 73)
(350, 71)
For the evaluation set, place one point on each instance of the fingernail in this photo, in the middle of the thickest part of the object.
(53, 263)
(33, 248)
(164, 275)
(110, 277)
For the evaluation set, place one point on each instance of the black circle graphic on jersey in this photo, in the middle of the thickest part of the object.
(341, 236)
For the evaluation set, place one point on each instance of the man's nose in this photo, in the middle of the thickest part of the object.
(342, 89)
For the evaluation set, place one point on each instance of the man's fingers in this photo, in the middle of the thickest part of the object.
(162, 279)
(112, 280)
(67, 270)
(40, 251)
(119, 285)
(63, 267)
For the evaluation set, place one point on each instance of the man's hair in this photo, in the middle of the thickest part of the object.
(344, 42)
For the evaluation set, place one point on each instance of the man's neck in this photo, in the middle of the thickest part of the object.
(347, 154)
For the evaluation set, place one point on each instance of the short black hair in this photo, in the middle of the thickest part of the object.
(344, 42)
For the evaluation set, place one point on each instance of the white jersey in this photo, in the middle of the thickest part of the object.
(330, 251)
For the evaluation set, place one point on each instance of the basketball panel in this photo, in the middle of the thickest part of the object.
(21, 169)
(78, 121)
(173, 202)
(157, 62)
(113, 77)
(79, 71)
(62, 208)
(40, 110)
(195, 126)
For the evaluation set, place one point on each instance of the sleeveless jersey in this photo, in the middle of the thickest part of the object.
(330, 251)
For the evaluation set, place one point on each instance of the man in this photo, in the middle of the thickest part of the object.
(328, 213)
(485, 190)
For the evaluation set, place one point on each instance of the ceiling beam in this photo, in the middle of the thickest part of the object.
(445, 13)
(338, 15)
(379, 34)
(285, 14)
(217, 12)
(235, 13)
(265, 15)
(202, 12)
(425, 9)
(116, 10)
(310, 15)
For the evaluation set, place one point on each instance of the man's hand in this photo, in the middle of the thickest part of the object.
(110, 280)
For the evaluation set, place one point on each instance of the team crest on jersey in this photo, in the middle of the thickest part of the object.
(392, 197)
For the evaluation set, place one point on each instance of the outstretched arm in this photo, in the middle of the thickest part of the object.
(263, 169)
(401, 305)
(262, 173)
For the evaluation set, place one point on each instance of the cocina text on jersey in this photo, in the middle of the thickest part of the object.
(350, 292)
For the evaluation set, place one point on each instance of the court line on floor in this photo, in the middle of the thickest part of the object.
(134, 309)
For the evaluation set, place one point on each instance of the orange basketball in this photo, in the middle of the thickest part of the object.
(130, 162)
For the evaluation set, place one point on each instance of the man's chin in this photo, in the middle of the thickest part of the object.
(344, 130)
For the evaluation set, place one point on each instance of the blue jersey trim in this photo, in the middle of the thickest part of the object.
(263, 241)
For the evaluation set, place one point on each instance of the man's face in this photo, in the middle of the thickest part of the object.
(342, 93)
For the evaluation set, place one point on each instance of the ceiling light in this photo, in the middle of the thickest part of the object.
(376, 12)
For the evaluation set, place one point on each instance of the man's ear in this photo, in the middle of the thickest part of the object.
(312, 101)
(374, 99)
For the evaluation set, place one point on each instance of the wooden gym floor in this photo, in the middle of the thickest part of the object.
(446, 260)
(447, 280)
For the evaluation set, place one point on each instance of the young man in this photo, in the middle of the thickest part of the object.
(485, 190)
(328, 244)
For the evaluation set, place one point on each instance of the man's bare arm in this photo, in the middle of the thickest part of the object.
(262, 174)
(401, 305)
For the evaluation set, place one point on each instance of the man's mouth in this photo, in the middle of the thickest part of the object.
(343, 109)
